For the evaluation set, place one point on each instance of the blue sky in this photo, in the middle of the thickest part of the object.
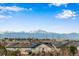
(52, 17)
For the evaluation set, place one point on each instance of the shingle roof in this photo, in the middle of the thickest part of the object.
(25, 45)
(17, 45)
(33, 45)
(73, 43)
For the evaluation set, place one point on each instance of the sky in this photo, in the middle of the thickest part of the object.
(51, 17)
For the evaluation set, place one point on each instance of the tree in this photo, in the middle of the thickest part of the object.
(3, 50)
(64, 51)
(17, 53)
(13, 53)
(73, 50)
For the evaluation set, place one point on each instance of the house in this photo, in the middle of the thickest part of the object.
(22, 47)
(75, 43)
(34, 48)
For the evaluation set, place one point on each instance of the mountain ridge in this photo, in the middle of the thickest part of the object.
(40, 34)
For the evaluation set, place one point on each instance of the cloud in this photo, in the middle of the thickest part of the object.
(57, 4)
(11, 8)
(66, 14)
(3, 17)
(7, 11)
(29, 9)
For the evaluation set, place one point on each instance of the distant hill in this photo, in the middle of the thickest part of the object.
(41, 34)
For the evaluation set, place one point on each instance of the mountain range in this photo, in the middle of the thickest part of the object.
(40, 34)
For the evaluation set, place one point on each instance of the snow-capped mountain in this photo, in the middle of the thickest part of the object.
(40, 34)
